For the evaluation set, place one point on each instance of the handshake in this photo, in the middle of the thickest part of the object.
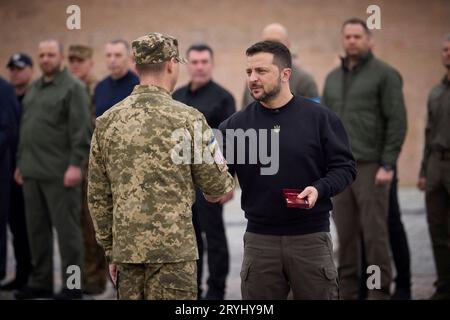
(221, 199)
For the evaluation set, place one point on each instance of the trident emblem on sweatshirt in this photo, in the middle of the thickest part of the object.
(276, 129)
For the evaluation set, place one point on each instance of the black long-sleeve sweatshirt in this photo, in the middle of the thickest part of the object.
(314, 150)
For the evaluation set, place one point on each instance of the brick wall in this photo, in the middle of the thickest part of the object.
(409, 38)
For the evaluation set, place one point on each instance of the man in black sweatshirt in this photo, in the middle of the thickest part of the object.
(284, 141)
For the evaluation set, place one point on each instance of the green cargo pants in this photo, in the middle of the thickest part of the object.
(362, 210)
(275, 265)
(49, 204)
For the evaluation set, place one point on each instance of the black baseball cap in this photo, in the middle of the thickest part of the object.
(19, 60)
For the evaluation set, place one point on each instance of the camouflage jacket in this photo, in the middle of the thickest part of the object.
(139, 198)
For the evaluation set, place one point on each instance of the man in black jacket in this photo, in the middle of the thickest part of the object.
(286, 248)
(20, 67)
(9, 107)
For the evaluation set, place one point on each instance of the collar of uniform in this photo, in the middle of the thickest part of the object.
(149, 89)
(361, 61)
(59, 76)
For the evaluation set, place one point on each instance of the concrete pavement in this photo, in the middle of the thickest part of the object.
(414, 219)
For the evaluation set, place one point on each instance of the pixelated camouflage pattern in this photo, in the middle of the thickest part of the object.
(91, 83)
(168, 281)
(139, 199)
(155, 48)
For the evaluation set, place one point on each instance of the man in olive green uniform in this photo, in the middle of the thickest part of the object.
(141, 190)
(366, 93)
(95, 269)
(81, 65)
(435, 175)
(54, 143)
(300, 82)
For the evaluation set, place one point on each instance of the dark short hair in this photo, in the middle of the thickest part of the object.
(359, 21)
(122, 41)
(281, 54)
(200, 47)
(58, 43)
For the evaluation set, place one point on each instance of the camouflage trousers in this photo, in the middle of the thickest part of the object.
(95, 268)
(166, 281)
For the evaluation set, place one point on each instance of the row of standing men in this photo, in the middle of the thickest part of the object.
(346, 89)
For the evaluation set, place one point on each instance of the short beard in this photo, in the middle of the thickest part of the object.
(53, 72)
(267, 96)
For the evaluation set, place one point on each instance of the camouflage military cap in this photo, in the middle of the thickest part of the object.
(80, 51)
(155, 48)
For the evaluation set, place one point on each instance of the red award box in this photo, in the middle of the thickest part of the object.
(290, 195)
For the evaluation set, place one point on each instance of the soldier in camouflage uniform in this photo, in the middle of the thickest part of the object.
(95, 268)
(81, 65)
(140, 195)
